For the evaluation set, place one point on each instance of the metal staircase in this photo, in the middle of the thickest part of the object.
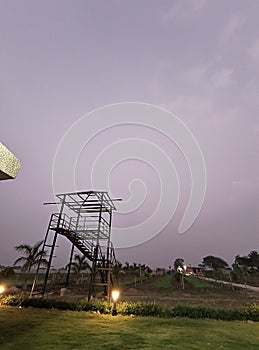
(88, 231)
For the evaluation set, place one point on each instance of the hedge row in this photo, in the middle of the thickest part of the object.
(250, 313)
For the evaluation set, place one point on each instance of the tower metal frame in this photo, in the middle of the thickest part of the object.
(85, 219)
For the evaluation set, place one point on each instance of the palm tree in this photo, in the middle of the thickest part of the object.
(126, 267)
(78, 265)
(135, 267)
(254, 259)
(32, 256)
(146, 270)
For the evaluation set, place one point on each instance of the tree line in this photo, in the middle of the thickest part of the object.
(242, 265)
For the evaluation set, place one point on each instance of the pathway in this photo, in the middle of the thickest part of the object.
(239, 285)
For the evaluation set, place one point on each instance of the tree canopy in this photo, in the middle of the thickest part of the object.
(179, 262)
(215, 262)
(250, 261)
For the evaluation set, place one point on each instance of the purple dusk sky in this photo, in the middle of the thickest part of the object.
(198, 59)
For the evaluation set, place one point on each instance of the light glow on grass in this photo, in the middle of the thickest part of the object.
(70, 329)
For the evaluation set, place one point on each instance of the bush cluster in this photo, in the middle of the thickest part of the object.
(141, 309)
(250, 313)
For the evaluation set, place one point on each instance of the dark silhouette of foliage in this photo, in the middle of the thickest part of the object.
(215, 262)
(32, 256)
(7, 272)
(78, 265)
(179, 262)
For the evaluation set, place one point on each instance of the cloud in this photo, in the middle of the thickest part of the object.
(231, 29)
(225, 118)
(250, 92)
(183, 9)
(197, 5)
(196, 75)
(190, 108)
(253, 50)
(223, 78)
(246, 187)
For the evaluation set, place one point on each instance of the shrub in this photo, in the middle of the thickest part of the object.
(178, 277)
(7, 272)
(250, 313)
(140, 309)
(97, 306)
(13, 300)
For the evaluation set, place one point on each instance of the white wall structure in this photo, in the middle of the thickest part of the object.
(9, 163)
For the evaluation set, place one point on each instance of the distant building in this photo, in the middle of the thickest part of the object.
(194, 270)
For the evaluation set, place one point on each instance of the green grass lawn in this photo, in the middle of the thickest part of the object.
(199, 284)
(163, 282)
(169, 282)
(52, 329)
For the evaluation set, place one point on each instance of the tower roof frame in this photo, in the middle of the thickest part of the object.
(87, 201)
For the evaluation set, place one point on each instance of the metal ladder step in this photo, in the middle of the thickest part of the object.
(50, 246)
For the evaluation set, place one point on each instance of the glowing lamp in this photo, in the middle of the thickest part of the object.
(2, 289)
(115, 296)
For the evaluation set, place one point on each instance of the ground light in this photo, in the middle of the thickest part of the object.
(115, 296)
(2, 289)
